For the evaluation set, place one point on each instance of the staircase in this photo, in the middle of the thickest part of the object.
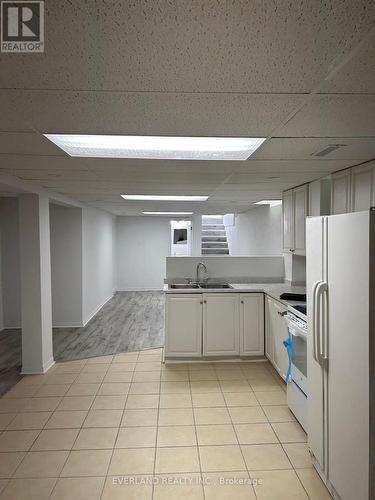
(214, 238)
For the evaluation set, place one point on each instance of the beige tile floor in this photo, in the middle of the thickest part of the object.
(128, 427)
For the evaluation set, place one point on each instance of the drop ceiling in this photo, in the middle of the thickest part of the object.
(301, 74)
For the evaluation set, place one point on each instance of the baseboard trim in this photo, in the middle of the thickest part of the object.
(97, 310)
(69, 325)
(140, 290)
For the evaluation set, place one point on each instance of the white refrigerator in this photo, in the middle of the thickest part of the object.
(340, 276)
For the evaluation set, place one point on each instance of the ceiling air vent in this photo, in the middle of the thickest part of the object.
(328, 149)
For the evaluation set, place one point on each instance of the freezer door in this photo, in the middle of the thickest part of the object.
(315, 245)
(348, 353)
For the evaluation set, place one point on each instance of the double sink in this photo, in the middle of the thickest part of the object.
(203, 286)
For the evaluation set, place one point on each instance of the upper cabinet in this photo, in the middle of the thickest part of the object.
(353, 189)
(341, 192)
(287, 220)
(295, 211)
(363, 187)
(320, 197)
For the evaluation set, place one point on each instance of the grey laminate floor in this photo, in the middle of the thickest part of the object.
(130, 321)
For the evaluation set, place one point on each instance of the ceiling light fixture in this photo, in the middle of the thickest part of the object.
(162, 197)
(272, 203)
(167, 213)
(157, 148)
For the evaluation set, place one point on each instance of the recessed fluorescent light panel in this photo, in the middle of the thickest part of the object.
(167, 213)
(157, 148)
(272, 203)
(157, 197)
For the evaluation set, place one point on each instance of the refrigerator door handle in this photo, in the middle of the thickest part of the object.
(314, 318)
(318, 323)
(323, 355)
(321, 316)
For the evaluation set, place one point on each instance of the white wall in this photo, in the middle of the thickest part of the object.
(82, 263)
(10, 262)
(256, 232)
(142, 244)
(196, 245)
(66, 265)
(98, 262)
(243, 268)
(295, 268)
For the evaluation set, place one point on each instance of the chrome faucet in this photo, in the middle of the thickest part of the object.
(201, 264)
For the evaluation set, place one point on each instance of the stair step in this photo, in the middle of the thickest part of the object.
(213, 239)
(212, 220)
(214, 233)
(215, 251)
(214, 236)
(213, 226)
(214, 244)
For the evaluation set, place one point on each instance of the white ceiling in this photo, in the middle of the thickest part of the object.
(301, 74)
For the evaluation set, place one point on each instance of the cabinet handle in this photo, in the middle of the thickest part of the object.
(242, 302)
(284, 313)
(201, 302)
(205, 301)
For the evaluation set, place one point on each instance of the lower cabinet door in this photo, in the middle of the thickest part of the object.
(252, 324)
(183, 325)
(221, 324)
(269, 334)
(278, 326)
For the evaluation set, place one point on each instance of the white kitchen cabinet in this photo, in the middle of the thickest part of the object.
(341, 185)
(276, 333)
(300, 211)
(214, 324)
(320, 197)
(221, 324)
(295, 211)
(251, 324)
(287, 220)
(269, 337)
(183, 325)
(363, 180)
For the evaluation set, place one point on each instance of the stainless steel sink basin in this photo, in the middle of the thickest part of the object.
(184, 286)
(195, 286)
(215, 285)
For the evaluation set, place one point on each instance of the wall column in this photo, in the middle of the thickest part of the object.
(36, 304)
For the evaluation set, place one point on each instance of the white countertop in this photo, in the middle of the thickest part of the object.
(274, 290)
